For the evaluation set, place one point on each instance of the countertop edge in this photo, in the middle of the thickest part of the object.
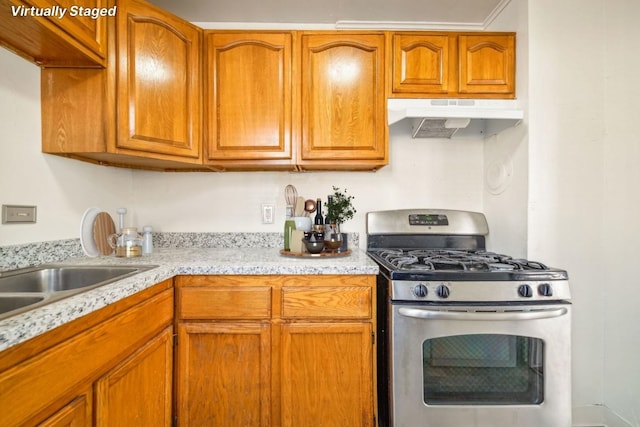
(17, 329)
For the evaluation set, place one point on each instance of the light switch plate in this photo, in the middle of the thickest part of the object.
(268, 211)
(18, 214)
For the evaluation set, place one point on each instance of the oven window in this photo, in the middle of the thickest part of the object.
(483, 369)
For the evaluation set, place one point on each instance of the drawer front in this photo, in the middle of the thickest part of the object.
(252, 302)
(326, 302)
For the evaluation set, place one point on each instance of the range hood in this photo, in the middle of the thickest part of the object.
(448, 118)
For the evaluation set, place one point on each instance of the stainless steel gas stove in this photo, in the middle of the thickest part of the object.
(466, 336)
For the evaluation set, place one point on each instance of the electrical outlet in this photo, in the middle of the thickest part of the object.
(268, 212)
(16, 214)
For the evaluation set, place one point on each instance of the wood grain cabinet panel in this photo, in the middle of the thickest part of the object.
(87, 30)
(326, 302)
(144, 109)
(78, 413)
(452, 64)
(249, 93)
(309, 358)
(343, 103)
(224, 374)
(327, 374)
(139, 390)
(487, 64)
(107, 350)
(250, 302)
(422, 63)
(158, 79)
(73, 41)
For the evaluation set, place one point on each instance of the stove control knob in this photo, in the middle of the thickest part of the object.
(420, 291)
(442, 291)
(545, 290)
(525, 291)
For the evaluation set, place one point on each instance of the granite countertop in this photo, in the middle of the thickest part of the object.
(171, 262)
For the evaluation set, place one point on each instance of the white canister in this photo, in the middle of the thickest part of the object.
(303, 223)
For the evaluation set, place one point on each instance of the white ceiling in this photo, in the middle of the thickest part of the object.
(419, 14)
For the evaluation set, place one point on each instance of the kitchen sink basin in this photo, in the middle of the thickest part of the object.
(12, 303)
(59, 279)
(27, 288)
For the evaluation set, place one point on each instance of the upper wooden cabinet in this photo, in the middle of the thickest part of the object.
(456, 65)
(273, 100)
(158, 80)
(144, 109)
(295, 100)
(75, 40)
(249, 100)
(343, 103)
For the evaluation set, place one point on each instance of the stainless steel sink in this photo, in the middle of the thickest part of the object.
(59, 279)
(28, 288)
(8, 304)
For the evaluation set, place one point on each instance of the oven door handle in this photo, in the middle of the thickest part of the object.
(420, 313)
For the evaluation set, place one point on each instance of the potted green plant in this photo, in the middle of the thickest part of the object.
(340, 209)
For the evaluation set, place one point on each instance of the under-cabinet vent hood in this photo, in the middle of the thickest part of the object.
(448, 118)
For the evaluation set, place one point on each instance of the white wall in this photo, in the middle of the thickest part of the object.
(583, 200)
(621, 209)
(506, 155)
(431, 173)
(422, 173)
(566, 191)
(61, 188)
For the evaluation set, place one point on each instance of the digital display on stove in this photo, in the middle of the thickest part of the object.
(426, 219)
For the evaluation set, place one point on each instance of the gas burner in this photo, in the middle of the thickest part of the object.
(454, 260)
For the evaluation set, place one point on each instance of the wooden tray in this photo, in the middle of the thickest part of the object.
(320, 255)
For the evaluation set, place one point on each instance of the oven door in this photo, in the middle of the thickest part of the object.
(478, 365)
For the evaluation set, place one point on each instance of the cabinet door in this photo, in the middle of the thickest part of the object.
(487, 64)
(158, 78)
(224, 374)
(327, 374)
(343, 102)
(139, 390)
(88, 30)
(249, 99)
(49, 41)
(76, 414)
(423, 63)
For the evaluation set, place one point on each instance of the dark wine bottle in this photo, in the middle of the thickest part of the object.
(318, 220)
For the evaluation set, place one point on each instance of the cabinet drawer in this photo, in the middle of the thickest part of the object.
(326, 302)
(251, 302)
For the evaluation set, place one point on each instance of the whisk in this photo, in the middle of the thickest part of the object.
(291, 196)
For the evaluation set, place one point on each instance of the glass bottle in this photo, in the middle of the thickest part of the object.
(289, 226)
(318, 221)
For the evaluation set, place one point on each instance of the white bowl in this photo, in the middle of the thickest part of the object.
(302, 223)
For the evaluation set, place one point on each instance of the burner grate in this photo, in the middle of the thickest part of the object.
(454, 260)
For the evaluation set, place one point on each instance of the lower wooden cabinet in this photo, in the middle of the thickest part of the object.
(224, 374)
(76, 414)
(112, 367)
(251, 351)
(301, 355)
(326, 374)
(139, 390)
